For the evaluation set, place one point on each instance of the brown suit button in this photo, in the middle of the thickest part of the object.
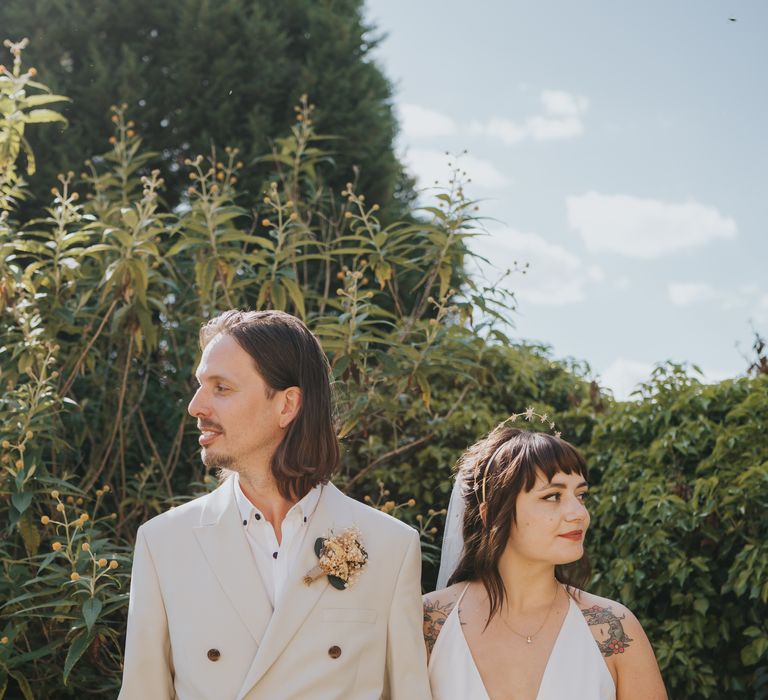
(214, 654)
(334, 652)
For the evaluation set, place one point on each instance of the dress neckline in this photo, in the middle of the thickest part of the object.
(566, 620)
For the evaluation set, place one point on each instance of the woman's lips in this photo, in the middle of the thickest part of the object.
(207, 437)
(575, 536)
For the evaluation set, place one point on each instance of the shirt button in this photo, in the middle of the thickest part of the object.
(215, 654)
(334, 652)
(257, 516)
(245, 522)
(274, 555)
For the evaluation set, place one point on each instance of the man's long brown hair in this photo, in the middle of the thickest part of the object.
(515, 458)
(286, 354)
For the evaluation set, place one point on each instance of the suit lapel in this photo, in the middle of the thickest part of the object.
(222, 539)
(298, 599)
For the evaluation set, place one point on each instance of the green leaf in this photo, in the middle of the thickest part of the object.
(130, 218)
(701, 605)
(296, 295)
(21, 501)
(754, 651)
(43, 116)
(426, 390)
(29, 532)
(91, 609)
(76, 650)
(37, 100)
(124, 238)
(383, 273)
(181, 246)
(347, 428)
(24, 686)
(227, 214)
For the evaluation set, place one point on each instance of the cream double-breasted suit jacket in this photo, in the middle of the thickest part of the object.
(201, 627)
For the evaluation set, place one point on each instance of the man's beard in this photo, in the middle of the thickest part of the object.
(214, 461)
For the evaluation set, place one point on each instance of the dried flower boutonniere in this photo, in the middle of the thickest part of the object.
(342, 558)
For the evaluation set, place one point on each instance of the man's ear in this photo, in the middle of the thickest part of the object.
(291, 405)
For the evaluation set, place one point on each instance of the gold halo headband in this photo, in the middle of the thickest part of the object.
(529, 414)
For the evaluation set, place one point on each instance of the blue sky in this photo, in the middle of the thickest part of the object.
(619, 147)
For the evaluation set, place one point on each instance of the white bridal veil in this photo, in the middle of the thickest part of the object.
(453, 535)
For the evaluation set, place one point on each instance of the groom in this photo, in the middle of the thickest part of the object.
(221, 607)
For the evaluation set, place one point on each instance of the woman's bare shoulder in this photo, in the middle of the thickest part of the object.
(625, 647)
(613, 625)
(437, 607)
(445, 596)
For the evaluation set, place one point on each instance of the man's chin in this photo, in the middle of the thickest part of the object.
(216, 461)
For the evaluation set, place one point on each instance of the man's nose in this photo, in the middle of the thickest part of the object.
(196, 406)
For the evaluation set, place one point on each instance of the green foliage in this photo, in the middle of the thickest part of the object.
(679, 529)
(103, 298)
(21, 103)
(193, 70)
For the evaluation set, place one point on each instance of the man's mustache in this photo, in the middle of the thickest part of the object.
(209, 425)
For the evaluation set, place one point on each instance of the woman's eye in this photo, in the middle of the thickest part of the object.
(220, 387)
(584, 495)
(553, 497)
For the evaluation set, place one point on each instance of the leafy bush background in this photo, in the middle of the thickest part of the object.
(101, 301)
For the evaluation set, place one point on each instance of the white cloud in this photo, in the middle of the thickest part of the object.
(563, 103)
(595, 273)
(561, 119)
(505, 130)
(419, 122)
(687, 293)
(748, 300)
(555, 276)
(622, 282)
(644, 228)
(554, 128)
(430, 165)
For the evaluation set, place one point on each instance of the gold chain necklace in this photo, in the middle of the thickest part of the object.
(529, 637)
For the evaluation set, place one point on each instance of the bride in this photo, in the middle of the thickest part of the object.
(513, 623)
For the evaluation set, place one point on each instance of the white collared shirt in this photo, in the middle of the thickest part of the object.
(274, 560)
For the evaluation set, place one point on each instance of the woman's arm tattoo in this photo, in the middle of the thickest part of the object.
(435, 616)
(616, 639)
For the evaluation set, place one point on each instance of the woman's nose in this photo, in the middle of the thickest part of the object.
(577, 510)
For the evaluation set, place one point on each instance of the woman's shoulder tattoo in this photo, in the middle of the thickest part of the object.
(610, 635)
(435, 615)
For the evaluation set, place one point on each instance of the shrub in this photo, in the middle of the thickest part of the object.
(680, 530)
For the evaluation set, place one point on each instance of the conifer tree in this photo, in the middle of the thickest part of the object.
(196, 73)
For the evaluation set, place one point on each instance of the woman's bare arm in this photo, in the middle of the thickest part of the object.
(625, 648)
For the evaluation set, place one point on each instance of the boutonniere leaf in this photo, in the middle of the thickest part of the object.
(340, 557)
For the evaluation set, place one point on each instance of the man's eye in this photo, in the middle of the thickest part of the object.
(221, 387)
(584, 495)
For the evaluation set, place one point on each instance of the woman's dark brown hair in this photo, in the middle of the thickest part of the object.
(508, 460)
(286, 354)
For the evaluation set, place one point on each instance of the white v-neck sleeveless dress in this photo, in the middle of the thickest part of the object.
(575, 669)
